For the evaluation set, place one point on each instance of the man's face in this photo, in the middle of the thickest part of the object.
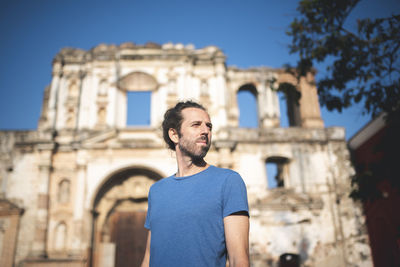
(195, 135)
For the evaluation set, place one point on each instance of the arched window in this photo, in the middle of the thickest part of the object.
(248, 107)
(138, 87)
(60, 236)
(289, 105)
(63, 193)
(277, 171)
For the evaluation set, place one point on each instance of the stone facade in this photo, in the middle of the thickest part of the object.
(71, 185)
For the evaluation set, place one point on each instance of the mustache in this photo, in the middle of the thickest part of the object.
(203, 138)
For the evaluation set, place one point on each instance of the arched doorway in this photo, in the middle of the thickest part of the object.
(119, 236)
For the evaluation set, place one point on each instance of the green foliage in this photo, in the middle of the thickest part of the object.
(362, 66)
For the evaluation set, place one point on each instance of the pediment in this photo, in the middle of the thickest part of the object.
(286, 199)
(9, 208)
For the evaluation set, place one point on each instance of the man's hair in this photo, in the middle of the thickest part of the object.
(173, 119)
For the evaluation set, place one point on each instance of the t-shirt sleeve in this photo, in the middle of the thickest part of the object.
(234, 195)
(148, 215)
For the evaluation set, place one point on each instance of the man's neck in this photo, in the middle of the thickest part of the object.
(188, 166)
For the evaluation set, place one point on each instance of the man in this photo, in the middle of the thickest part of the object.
(200, 214)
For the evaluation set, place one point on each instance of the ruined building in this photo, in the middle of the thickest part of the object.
(74, 191)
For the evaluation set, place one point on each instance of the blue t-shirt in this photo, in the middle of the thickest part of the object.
(185, 216)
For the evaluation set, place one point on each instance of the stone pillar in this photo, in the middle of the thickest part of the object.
(79, 240)
(268, 107)
(60, 110)
(106, 255)
(82, 75)
(222, 92)
(309, 104)
(232, 104)
(171, 93)
(39, 246)
(53, 97)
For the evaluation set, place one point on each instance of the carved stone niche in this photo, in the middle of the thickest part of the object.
(70, 117)
(101, 113)
(63, 191)
(73, 89)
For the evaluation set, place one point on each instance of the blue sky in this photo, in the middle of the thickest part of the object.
(251, 33)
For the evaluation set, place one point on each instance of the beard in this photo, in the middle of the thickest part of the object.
(192, 150)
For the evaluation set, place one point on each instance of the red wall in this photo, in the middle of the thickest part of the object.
(383, 214)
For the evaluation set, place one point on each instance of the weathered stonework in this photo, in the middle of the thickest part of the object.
(84, 173)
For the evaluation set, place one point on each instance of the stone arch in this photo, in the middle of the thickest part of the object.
(252, 90)
(120, 174)
(138, 81)
(119, 207)
(292, 99)
(249, 86)
(302, 112)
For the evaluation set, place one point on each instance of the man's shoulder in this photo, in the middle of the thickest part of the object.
(160, 183)
(224, 171)
(225, 176)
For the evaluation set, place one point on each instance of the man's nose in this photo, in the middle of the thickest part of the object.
(205, 129)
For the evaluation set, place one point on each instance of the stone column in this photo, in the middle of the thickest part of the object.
(79, 241)
(267, 104)
(222, 93)
(232, 104)
(82, 75)
(39, 245)
(53, 97)
(309, 104)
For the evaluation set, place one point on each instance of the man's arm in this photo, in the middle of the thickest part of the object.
(237, 240)
(146, 259)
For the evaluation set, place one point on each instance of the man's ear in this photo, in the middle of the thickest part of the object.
(173, 135)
